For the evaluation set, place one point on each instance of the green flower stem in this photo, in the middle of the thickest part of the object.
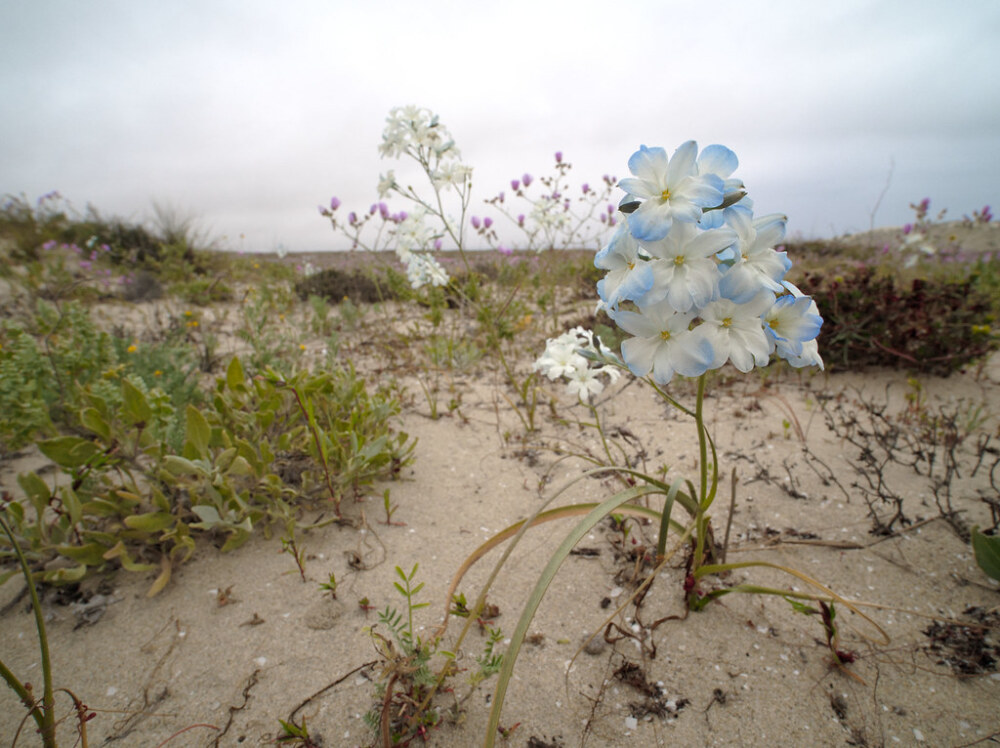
(46, 718)
(704, 499)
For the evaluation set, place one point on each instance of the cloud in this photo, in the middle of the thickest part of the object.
(253, 112)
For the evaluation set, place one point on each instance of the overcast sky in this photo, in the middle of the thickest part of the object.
(247, 114)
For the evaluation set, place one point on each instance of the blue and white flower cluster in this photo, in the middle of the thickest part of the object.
(694, 277)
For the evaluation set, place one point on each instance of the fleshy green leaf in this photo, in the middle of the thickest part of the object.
(91, 554)
(68, 451)
(152, 522)
(136, 408)
(92, 419)
(198, 435)
(235, 378)
(987, 551)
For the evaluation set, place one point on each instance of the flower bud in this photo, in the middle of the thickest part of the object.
(475, 222)
(558, 157)
(487, 222)
(334, 203)
(527, 180)
(515, 184)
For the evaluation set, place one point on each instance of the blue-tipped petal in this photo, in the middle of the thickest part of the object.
(717, 159)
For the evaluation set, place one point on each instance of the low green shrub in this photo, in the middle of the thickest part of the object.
(927, 325)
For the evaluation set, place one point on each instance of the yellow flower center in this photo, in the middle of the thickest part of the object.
(727, 322)
(665, 335)
(665, 195)
(679, 260)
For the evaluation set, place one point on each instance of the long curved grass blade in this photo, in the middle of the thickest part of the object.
(572, 510)
(716, 568)
(548, 574)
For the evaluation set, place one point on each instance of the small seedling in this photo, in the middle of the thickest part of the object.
(297, 735)
(288, 546)
(390, 509)
(330, 586)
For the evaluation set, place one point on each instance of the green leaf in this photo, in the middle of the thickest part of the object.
(182, 466)
(151, 522)
(801, 607)
(235, 378)
(239, 466)
(136, 408)
(987, 550)
(68, 451)
(198, 434)
(37, 490)
(64, 576)
(91, 554)
(92, 419)
(72, 504)
(208, 515)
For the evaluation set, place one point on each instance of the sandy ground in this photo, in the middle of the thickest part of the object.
(237, 641)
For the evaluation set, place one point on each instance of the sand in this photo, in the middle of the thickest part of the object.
(237, 641)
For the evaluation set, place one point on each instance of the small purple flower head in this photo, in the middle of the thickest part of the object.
(401, 216)
(987, 214)
(383, 210)
(925, 204)
(85, 264)
(322, 211)
(527, 179)
(907, 228)
(487, 222)
(520, 219)
(476, 223)
(504, 250)
(556, 195)
(558, 157)
(50, 244)
(371, 210)
(334, 203)
(515, 184)
(611, 209)
(612, 221)
(437, 244)
(885, 248)
(585, 188)
(500, 196)
(352, 218)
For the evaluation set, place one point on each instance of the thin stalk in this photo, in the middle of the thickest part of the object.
(314, 428)
(46, 720)
(701, 520)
